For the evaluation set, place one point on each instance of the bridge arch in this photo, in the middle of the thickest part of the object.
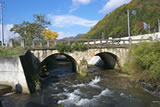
(119, 54)
(51, 61)
(109, 59)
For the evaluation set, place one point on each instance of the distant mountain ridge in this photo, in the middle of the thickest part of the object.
(78, 36)
(144, 15)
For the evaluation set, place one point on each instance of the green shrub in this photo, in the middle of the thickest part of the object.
(64, 48)
(145, 58)
(74, 47)
(79, 46)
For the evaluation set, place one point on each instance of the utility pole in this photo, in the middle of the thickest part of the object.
(158, 25)
(102, 35)
(129, 34)
(2, 33)
(149, 27)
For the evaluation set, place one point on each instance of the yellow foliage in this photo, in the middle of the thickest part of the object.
(49, 34)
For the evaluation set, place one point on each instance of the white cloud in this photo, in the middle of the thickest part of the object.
(76, 4)
(63, 35)
(7, 33)
(70, 20)
(79, 2)
(113, 4)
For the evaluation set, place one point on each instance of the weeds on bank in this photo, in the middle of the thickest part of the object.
(7, 51)
(144, 61)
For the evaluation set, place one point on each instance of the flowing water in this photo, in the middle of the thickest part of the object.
(102, 88)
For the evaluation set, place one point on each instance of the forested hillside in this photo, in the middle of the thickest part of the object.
(144, 15)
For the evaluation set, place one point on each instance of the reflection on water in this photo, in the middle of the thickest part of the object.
(100, 89)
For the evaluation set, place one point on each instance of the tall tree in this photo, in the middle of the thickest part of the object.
(31, 30)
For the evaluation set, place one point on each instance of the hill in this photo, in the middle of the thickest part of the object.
(142, 13)
(78, 36)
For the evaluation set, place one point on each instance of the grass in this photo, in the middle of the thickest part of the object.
(7, 51)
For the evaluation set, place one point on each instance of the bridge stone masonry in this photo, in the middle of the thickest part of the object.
(113, 53)
(120, 53)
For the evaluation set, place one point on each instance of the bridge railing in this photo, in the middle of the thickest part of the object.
(92, 43)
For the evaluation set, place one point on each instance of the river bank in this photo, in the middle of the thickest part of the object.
(148, 85)
(143, 65)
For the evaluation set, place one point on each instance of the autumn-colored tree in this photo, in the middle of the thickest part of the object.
(141, 25)
(49, 34)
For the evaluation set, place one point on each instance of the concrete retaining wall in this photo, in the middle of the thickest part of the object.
(19, 70)
(11, 73)
(154, 36)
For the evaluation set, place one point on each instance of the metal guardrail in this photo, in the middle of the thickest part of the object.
(92, 43)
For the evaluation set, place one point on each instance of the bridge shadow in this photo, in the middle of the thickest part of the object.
(106, 60)
(56, 66)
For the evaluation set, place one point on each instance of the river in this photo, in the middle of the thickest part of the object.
(101, 88)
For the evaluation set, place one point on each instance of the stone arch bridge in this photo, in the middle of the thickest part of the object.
(119, 55)
(111, 49)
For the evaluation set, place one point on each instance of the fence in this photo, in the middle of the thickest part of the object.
(92, 43)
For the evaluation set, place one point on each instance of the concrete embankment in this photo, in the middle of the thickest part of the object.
(18, 71)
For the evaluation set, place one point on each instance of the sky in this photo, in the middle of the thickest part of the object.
(68, 17)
